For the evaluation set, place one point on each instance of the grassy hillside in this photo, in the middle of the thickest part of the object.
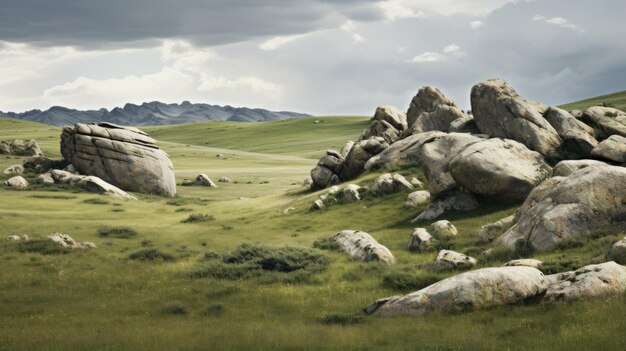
(102, 299)
(617, 100)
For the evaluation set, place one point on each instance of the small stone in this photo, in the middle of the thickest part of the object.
(17, 182)
(351, 193)
(317, 205)
(416, 183)
(204, 180)
(224, 180)
(289, 210)
(13, 238)
(15, 170)
(417, 198)
(420, 240)
(444, 228)
(448, 259)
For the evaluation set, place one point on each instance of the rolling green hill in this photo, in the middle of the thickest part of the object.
(616, 100)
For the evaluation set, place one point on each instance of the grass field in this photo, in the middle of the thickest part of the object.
(188, 299)
(616, 100)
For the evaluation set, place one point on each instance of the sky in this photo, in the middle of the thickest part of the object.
(323, 57)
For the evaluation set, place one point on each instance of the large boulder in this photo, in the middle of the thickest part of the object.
(473, 290)
(500, 112)
(567, 167)
(20, 148)
(123, 156)
(388, 122)
(403, 153)
(91, 184)
(607, 121)
(360, 245)
(427, 100)
(440, 119)
(591, 281)
(359, 155)
(612, 149)
(578, 138)
(588, 202)
(500, 169)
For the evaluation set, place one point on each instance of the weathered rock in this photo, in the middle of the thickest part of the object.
(500, 112)
(388, 122)
(492, 230)
(608, 121)
(40, 164)
(307, 182)
(13, 238)
(444, 228)
(448, 259)
(567, 167)
(14, 170)
(578, 138)
(591, 281)
(588, 202)
(362, 246)
(288, 210)
(67, 241)
(70, 168)
(417, 183)
(224, 180)
(45, 178)
(123, 156)
(464, 125)
(317, 205)
(92, 184)
(617, 252)
(20, 148)
(204, 180)
(612, 149)
(351, 193)
(578, 114)
(500, 169)
(389, 184)
(427, 100)
(524, 262)
(440, 119)
(403, 153)
(327, 171)
(358, 156)
(420, 240)
(454, 200)
(16, 182)
(473, 290)
(417, 198)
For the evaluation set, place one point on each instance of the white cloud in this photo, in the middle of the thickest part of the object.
(276, 42)
(358, 38)
(454, 49)
(398, 9)
(559, 21)
(476, 24)
(348, 26)
(256, 84)
(429, 57)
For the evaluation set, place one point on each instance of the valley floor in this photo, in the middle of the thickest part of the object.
(101, 299)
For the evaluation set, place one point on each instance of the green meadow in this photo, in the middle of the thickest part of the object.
(172, 274)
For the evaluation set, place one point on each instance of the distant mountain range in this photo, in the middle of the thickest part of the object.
(152, 114)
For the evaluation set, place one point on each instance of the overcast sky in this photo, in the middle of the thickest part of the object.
(324, 57)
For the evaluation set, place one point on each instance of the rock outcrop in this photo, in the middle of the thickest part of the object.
(468, 291)
(592, 281)
(431, 110)
(499, 169)
(91, 184)
(67, 241)
(608, 121)
(388, 123)
(500, 112)
(123, 156)
(360, 245)
(588, 202)
(578, 138)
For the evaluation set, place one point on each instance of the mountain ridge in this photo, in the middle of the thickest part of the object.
(152, 113)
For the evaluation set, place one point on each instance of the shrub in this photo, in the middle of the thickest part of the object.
(342, 319)
(151, 255)
(175, 309)
(211, 255)
(408, 281)
(44, 247)
(565, 265)
(326, 244)
(183, 209)
(96, 201)
(117, 232)
(196, 218)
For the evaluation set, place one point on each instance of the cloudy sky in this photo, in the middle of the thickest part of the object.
(324, 57)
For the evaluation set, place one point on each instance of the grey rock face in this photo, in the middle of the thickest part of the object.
(524, 262)
(40, 164)
(417, 198)
(473, 290)
(420, 240)
(16, 182)
(444, 228)
(592, 281)
(500, 169)
(403, 153)
(92, 184)
(389, 184)
(123, 156)
(607, 120)
(448, 259)
(20, 148)
(567, 167)
(440, 119)
(360, 245)
(617, 252)
(500, 112)
(388, 122)
(427, 100)
(204, 180)
(578, 138)
(455, 200)
(464, 125)
(587, 202)
(492, 230)
(612, 149)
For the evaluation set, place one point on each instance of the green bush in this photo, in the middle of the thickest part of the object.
(326, 244)
(342, 319)
(196, 218)
(44, 247)
(151, 255)
(175, 309)
(405, 281)
(117, 232)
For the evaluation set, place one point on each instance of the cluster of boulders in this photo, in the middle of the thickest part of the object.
(60, 239)
(20, 148)
(511, 284)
